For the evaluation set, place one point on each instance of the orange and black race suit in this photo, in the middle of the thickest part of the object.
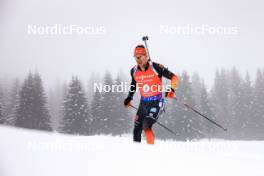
(149, 83)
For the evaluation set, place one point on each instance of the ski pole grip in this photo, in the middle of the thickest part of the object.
(144, 38)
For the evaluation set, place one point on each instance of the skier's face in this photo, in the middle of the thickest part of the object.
(141, 60)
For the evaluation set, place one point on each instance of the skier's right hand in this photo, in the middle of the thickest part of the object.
(127, 101)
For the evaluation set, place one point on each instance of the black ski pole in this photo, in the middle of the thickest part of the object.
(210, 120)
(160, 124)
(145, 38)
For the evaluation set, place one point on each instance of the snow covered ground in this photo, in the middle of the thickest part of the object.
(33, 153)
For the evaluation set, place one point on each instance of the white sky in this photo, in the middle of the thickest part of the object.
(60, 56)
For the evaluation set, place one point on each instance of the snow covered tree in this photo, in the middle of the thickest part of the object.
(235, 99)
(75, 110)
(12, 103)
(5, 88)
(258, 107)
(2, 120)
(203, 104)
(96, 113)
(31, 111)
(108, 114)
(206, 109)
(94, 78)
(197, 86)
(108, 120)
(221, 101)
(122, 120)
(247, 109)
(55, 101)
(188, 123)
(1, 115)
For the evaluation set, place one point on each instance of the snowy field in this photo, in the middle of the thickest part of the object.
(33, 153)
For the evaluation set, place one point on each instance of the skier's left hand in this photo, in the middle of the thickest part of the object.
(170, 93)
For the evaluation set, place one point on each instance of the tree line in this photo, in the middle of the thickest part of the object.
(235, 101)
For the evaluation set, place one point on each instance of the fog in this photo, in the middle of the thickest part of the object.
(58, 57)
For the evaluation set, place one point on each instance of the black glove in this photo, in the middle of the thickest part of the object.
(127, 100)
